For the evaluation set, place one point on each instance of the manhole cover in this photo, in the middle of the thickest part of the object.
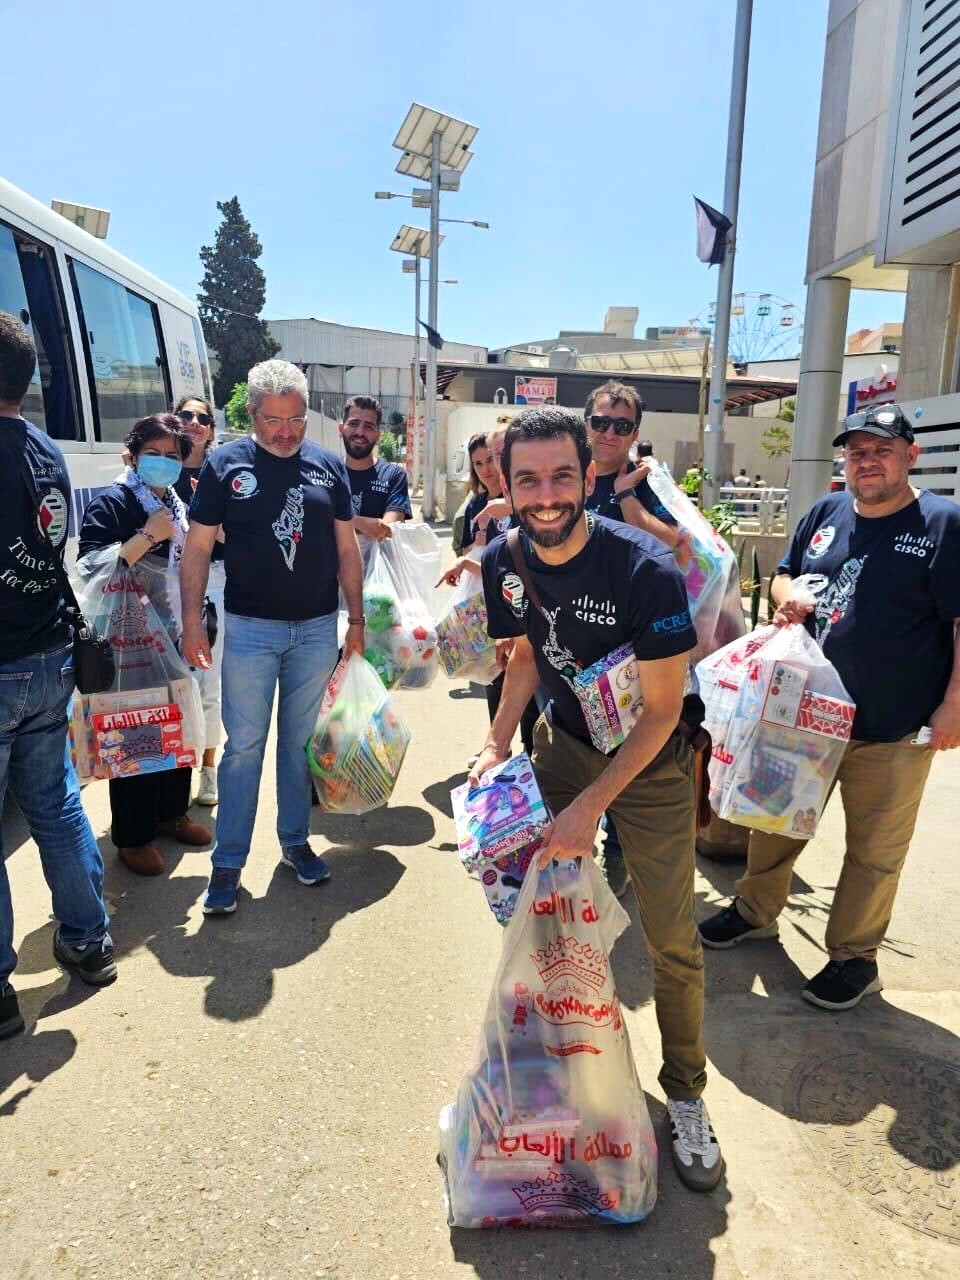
(887, 1124)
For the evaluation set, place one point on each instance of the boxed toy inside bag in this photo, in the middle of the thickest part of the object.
(780, 719)
(610, 698)
(466, 650)
(151, 719)
(500, 816)
(359, 742)
(400, 633)
(550, 1127)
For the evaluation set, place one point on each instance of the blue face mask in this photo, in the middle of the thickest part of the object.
(158, 472)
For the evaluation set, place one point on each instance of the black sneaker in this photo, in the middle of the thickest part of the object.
(842, 984)
(728, 928)
(10, 1020)
(95, 964)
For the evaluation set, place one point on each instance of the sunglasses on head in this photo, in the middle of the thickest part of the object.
(622, 426)
(188, 415)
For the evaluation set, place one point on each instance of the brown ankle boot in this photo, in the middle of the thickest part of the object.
(185, 830)
(143, 859)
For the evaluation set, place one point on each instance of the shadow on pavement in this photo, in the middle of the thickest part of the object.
(392, 825)
(437, 795)
(468, 691)
(773, 1046)
(33, 1053)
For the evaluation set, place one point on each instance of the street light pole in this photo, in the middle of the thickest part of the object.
(713, 436)
(430, 464)
(414, 440)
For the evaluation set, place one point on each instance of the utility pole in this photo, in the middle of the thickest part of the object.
(713, 441)
(702, 413)
(430, 462)
(413, 441)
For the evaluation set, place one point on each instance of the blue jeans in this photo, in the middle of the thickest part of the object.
(34, 698)
(259, 654)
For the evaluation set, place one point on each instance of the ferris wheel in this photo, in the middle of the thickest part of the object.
(762, 327)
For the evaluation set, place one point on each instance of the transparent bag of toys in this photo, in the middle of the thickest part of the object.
(151, 718)
(400, 632)
(466, 650)
(780, 719)
(707, 563)
(356, 750)
(550, 1127)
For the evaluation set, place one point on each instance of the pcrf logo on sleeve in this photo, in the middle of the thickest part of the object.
(821, 541)
(513, 594)
(52, 516)
(243, 484)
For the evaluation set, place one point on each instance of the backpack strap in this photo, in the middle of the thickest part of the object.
(522, 568)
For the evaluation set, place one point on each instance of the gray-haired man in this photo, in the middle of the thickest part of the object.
(284, 504)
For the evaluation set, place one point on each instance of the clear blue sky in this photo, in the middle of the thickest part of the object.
(597, 124)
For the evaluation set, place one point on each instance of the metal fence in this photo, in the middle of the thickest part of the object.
(331, 404)
(757, 510)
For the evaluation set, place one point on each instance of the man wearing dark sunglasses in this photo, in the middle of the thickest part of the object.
(889, 621)
(379, 488)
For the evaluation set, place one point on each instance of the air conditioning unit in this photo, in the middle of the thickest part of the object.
(919, 222)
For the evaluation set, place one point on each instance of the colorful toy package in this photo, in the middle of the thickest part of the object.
(466, 651)
(151, 718)
(780, 718)
(610, 697)
(401, 636)
(358, 745)
(503, 878)
(708, 565)
(500, 816)
(550, 1127)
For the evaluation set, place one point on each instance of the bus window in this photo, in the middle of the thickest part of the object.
(124, 360)
(28, 290)
(204, 362)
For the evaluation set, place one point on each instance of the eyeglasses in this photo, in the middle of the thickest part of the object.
(296, 423)
(622, 426)
(188, 415)
(873, 417)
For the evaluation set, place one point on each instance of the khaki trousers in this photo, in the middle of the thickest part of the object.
(881, 784)
(655, 817)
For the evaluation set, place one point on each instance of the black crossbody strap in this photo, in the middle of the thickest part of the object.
(31, 485)
(522, 568)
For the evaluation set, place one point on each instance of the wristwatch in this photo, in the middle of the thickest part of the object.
(619, 495)
(149, 536)
(357, 622)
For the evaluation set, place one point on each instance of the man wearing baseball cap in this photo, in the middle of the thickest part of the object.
(888, 621)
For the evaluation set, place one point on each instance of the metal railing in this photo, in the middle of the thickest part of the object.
(330, 404)
(757, 510)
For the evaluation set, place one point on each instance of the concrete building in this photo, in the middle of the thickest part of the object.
(561, 352)
(885, 215)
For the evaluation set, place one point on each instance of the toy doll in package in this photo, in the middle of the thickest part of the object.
(550, 1127)
(359, 743)
(780, 718)
(500, 816)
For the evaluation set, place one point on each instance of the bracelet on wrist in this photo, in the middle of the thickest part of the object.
(149, 536)
(358, 621)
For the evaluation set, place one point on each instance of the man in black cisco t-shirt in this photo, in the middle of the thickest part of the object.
(602, 585)
(284, 504)
(378, 488)
(36, 682)
(889, 621)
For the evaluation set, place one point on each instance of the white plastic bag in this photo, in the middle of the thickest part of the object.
(550, 1127)
(780, 719)
(400, 633)
(151, 718)
(359, 742)
(466, 650)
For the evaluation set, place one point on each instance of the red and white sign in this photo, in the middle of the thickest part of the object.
(534, 390)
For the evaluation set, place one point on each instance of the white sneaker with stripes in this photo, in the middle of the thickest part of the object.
(696, 1152)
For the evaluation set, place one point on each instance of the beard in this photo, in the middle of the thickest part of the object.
(359, 448)
(559, 531)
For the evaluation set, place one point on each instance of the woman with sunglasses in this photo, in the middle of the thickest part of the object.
(143, 513)
(198, 421)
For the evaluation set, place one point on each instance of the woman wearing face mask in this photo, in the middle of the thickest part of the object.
(143, 513)
(197, 419)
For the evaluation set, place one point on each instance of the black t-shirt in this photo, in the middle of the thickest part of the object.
(184, 488)
(886, 618)
(31, 602)
(115, 515)
(623, 587)
(603, 502)
(277, 513)
(470, 526)
(378, 489)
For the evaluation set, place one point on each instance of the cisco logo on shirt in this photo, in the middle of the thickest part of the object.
(318, 475)
(602, 612)
(672, 623)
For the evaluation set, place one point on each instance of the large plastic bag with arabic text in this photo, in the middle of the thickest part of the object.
(780, 719)
(550, 1127)
(466, 650)
(151, 717)
(359, 742)
(401, 637)
(708, 565)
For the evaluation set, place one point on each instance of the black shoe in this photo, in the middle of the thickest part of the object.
(95, 964)
(843, 984)
(10, 1020)
(728, 927)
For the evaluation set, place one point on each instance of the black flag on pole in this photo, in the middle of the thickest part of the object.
(432, 336)
(712, 229)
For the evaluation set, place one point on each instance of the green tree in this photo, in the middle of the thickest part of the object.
(788, 411)
(776, 441)
(388, 446)
(235, 410)
(231, 298)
